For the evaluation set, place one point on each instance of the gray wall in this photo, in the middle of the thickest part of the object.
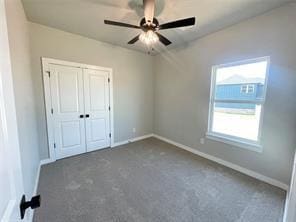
(18, 33)
(173, 88)
(133, 78)
(183, 89)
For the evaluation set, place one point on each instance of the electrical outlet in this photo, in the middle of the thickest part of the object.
(202, 140)
(134, 130)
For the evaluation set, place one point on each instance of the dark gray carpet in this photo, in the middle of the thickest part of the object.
(152, 181)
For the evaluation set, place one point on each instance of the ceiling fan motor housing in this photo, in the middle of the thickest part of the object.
(151, 26)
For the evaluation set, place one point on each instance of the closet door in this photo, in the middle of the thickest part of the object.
(68, 110)
(96, 98)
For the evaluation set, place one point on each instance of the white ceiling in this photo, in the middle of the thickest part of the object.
(85, 17)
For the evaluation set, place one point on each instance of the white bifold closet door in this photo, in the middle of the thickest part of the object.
(96, 94)
(80, 102)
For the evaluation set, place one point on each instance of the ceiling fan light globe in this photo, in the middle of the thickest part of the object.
(148, 37)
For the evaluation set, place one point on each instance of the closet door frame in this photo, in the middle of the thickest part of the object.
(48, 101)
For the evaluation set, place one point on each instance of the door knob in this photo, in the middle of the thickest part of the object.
(87, 115)
(81, 116)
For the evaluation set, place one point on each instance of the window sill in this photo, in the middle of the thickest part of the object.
(235, 142)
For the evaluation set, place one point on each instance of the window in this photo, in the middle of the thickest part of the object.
(250, 89)
(244, 89)
(237, 100)
(247, 89)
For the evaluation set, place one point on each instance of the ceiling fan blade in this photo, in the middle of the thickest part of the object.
(163, 39)
(134, 40)
(178, 23)
(149, 7)
(108, 22)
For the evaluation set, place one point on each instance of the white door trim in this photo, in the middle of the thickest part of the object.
(9, 125)
(48, 102)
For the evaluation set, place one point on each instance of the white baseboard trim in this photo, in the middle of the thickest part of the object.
(132, 140)
(46, 161)
(119, 143)
(227, 164)
(141, 138)
(290, 209)
(30, 212)
(36, 180)
(286, 206)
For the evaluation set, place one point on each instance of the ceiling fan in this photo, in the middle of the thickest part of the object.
(150, 25)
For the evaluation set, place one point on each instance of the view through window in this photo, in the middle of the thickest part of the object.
(238, 95)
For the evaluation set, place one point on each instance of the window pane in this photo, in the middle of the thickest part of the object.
(243, 88)
(237, 119)
(241, 82)
(251, 88)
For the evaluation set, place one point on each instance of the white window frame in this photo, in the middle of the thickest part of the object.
(229, 139)
(247, 87)
(244, 88)
(251, 86)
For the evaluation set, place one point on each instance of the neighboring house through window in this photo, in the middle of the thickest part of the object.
(237, 100)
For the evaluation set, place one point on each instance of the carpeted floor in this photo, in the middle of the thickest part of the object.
(152, 181)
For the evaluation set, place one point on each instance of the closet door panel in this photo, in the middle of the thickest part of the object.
(68, 106)
(96, 94)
